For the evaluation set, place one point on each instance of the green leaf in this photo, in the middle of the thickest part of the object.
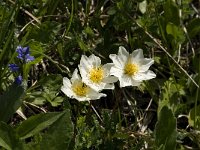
(36, 48)
(197, 117)
(51, 81)
(10, 101)
(176, 32)
(194, 27)
(89, 31)
(36, 98)
(46, 90)
(81, 44)
(56, 101)
(45, 33)
(8, 138)
(111, 11)
(36, 123)
(59, 134)
(171, 92)
(171, 12)
(165, 130)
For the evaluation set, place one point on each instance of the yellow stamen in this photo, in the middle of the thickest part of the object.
(80, 89)
(130, 69)
(96, 74)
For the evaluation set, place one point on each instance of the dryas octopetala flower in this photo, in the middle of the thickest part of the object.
(76, 88)
(131, 69)
(94, 74)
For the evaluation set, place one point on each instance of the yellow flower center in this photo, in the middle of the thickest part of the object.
(80, 89)
(130, 69)
(96, 74)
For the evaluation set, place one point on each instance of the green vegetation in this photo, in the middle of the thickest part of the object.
(159, 114)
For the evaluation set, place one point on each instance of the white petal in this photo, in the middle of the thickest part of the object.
(97, 87)
(123, 52)
(106, 70)
(125, 81)
(137, 55)
(116, 60)
(94, 60)
(123, 55)
(83, 71)
(81, 99)
(108, 66)
(67, 91)
(84, 67)
(109, 86)
(110, 79)
(116, 72)
(150, 74)
(66, 82)
(93, 95)
(145, 64)
(135, 83)
(145, 76)
(85, 62)
(75, 76)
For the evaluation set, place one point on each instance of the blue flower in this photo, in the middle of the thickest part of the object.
(18, 80)
(24, 54)
(13, 67)
(29, 58)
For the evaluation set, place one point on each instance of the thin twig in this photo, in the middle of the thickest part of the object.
(42, 109)
(41, 17)
(190, 42)
(149, 105)
(20, 113)
(96, 112)
(131, 105)
(196, 10)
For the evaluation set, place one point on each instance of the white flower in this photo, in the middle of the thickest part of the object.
(131, 69)
(77, 89)
(94, 74)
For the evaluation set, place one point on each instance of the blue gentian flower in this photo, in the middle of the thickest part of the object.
(13, 67)
(29, 58)
(22, 51)
(24, 54)
(18, 80)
